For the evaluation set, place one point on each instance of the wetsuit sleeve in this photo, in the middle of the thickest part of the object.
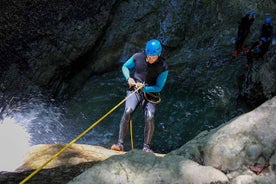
(160, 83)
(129, 64)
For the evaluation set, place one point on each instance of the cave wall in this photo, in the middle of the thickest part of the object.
(58, 45)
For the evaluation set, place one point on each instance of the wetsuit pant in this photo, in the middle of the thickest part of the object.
(249, 58)
(149, 111)
(241, 38)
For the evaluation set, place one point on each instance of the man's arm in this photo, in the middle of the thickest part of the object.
(129, 64)
(160, 83)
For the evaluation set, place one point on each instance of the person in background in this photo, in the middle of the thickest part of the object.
(267, 32)
(243, 31)
(257, 50)
(150, 70)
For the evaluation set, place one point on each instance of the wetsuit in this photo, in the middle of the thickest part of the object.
(267, 32)
(154, 76)
(257, 50)
(243, 30)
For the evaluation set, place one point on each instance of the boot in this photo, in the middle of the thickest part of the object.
(117, 147)
(146, 148)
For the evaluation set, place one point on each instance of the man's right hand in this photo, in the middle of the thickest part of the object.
(131, 82)
(140, 85)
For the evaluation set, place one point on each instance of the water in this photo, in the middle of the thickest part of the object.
(12, 149)
(197, 97)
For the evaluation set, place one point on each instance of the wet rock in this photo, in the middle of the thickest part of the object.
(272, 164)
(62, 169)
(140, 167)
(253, 151)
(259, 81)
(245, 141)
(75, 154)
(248, 179)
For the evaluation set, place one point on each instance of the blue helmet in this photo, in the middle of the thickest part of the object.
(263, 39)
(153, 48)
(267, 20)
(251, 13)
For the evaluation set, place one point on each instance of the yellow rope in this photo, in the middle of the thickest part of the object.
(77, 138)
(131, 135)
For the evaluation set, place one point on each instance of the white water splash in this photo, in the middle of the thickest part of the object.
(14, 143)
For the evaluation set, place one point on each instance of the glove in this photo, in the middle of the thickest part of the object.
(131, 82)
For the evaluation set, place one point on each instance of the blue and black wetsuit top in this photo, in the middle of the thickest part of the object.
(267, 32)
(153, 75)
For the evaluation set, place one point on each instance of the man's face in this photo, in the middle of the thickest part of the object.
(151, 59)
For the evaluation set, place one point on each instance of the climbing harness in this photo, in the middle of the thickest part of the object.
(78, 137)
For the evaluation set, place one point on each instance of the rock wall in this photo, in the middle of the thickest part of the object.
(50, 41)
(58, 45)
(259, 82)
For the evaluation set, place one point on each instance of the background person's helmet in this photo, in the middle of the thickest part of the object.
(267, 20)
(251, 13)
(153, 48)
(263, 39)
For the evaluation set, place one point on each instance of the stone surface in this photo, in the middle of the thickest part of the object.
(62, 169)
(75, 154)
(235, 146)
(139, 167)
(70, 163)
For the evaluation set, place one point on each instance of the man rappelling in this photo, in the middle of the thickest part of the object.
(150, 73)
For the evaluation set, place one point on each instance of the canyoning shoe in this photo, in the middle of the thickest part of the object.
(235, 53)
(146, 148)
(117, 147)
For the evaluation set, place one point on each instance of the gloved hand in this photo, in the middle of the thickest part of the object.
(139, 85)
(131, 82)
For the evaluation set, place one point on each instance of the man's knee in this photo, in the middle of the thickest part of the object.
(149, 115)
(128, 112)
